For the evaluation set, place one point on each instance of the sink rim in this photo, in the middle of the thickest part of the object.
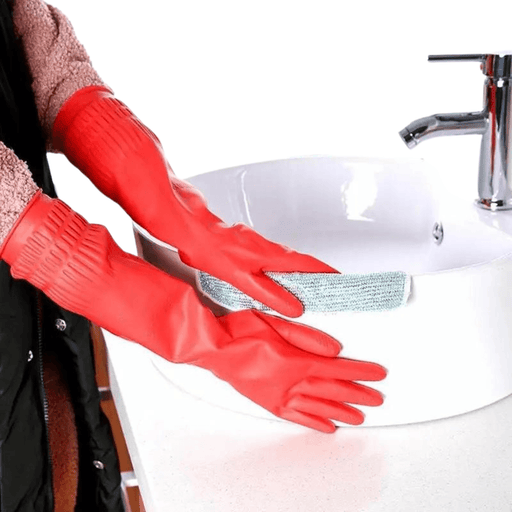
(386, 160)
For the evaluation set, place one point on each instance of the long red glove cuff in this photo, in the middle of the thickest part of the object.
(125, 160)
(81, 268)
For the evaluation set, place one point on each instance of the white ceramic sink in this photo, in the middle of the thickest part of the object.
(448, 350)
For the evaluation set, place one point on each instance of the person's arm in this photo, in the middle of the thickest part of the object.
(289, 369)
(125, 160)
(80, 267)
(57, 61)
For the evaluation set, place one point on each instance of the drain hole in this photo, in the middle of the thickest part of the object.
(438, 233)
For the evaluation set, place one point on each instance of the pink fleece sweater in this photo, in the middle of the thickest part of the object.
(59, 66)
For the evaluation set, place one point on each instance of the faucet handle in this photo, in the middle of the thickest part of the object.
(471, 56)
(492, 65)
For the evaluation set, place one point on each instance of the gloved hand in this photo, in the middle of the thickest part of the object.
(125, 160)
(81, 268)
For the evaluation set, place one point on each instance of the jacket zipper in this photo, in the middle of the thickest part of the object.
(41, 378)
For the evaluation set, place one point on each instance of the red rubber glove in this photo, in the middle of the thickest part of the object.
(81, 268)
(126, 162)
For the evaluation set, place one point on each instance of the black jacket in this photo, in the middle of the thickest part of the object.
(27, 327)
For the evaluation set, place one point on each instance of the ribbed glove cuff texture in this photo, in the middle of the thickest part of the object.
(48, 258)
(100, 135)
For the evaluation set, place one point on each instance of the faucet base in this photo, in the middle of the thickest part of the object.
(489, 204)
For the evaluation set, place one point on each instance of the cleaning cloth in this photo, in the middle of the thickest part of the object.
(319, 292)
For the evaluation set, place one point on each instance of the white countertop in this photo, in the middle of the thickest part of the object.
(191, 456)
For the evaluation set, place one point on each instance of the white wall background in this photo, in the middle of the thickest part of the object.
(229, 82)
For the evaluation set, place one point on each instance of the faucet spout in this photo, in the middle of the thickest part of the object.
(493, 123)
(444, 124)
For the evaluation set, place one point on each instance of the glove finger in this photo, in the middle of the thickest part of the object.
(268, 292)
(339, 391)
(326, 409)
(341, 368)
(310, 421)
(302, 336)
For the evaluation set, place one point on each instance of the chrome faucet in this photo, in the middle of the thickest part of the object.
(493, 122)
